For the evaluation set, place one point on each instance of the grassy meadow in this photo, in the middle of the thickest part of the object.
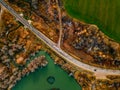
(104, 13)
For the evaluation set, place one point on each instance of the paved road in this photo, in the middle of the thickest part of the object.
(54, 47)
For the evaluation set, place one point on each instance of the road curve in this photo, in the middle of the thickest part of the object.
(59, 51)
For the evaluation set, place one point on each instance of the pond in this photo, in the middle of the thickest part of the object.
(52, 77)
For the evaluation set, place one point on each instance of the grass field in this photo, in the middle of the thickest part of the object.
(104, 13)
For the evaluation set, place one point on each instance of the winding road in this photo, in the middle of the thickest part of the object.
(59, 51)
(60, 24)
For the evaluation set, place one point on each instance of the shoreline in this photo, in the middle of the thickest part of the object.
(31, 67)
(82, 77)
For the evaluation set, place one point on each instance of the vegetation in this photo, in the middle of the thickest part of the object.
(104, 13)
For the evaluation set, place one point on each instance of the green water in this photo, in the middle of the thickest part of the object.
(38, 79)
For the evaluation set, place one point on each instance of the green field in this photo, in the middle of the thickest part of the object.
(104, 13)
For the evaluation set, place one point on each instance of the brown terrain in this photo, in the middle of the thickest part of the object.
(82, 41)
(67, 46)
(17, 45)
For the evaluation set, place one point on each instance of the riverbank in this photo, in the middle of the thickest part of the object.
(38, 79)
(22, 50)
(15, 48)
(84, 81)
(9, 81)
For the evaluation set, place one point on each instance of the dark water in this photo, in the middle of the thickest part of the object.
(38, 79)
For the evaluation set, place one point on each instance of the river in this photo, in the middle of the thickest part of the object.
(38, 79)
